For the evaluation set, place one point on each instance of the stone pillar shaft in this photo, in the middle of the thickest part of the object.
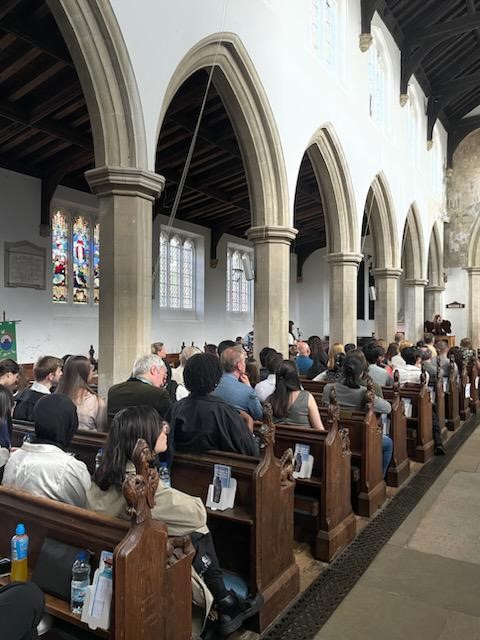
(474, 305)
(386, 282)
(414, 308)
(272, 279)
(343, 270)
(125, 197)
(433, 301)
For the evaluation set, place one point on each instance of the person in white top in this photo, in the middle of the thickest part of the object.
(398, 361)
(177, 373)
(43, 467)
(266, 387)
(412, 369)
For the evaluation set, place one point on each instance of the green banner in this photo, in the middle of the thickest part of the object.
(8, 341)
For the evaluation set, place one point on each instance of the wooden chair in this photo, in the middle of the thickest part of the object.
(152, 574)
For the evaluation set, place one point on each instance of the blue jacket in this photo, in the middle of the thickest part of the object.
(240, 395)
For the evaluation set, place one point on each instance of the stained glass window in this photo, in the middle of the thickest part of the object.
(239, 289)
(60, 257)
(176, 272)
(96, 264)
(75, 259)
(81, 260)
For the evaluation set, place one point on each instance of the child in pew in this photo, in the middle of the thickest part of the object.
(351, 394)
(43, 467)
(183, 514)
(75, 383)
(290, 403)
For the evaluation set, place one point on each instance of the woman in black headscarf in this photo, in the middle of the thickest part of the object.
(43, 467)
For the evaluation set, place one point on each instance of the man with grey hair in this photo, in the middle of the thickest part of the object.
(234, 386)
(144, 387)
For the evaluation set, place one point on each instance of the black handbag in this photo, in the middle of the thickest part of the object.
(53, 571)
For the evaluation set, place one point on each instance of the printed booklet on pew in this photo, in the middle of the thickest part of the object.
(221, 493)
(302, 461)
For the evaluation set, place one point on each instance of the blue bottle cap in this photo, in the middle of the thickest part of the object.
(20, 529)
(82, 555)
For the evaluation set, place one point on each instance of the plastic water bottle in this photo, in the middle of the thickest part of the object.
(164, 474)
(98, 458)
(19, 570)
(28, 437)
(80, 581)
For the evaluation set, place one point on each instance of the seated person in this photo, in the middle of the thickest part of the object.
(397, 360)
(457, 354)
(47, 372)
(182, 514)
(253, 371)
(412, 369)
(224, 344)
(43, 467)
(290, 403)
(263, 355)
(211, 348)
(234, 386)
(375, 354)
(442, 350)
(6, 405)
(318, 356)
(266, 387)
(9, 374)
(429, 338)
(334, 364)
(144, 387)
(76, 384)
(303, 360)
(468, 353)
(21, 609)
(351, 394)
(185, 354)
(204, 421)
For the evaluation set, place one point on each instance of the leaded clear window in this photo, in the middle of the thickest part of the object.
(176, 271)
(325, 30)
(377, 83)
(239, 289)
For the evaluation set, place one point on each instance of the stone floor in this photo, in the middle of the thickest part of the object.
(425, 583)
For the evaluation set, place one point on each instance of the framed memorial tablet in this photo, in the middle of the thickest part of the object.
(25, 265)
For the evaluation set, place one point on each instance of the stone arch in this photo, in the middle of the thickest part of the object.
(246, 103)
(412, 249)
(95, 42)
(334, 182)
(381, 216)
(435, 258)
(473, 270)
(474, 245)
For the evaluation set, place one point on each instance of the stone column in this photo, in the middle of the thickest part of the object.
(386, 282)
(125, 198)
(343, 269)
(474, 305)
(272, 279)
(414, 308)
(433, 301)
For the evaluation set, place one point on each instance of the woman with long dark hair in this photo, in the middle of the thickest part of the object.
(182, 514)
(318, 355)
(76, 384)
(351, 394)
(290, 403)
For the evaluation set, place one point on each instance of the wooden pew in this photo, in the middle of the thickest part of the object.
(263, 537)
(323, 507)
(464, 394)
(420, 445)
(399, 467)
(452, 409)
(439, 401)
(474, 390)
(255, 538)
(152, 581)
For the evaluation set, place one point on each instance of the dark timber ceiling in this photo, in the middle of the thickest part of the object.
(44, 123)
(216, 194)
(440, 44)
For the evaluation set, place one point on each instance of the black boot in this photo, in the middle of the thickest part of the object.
(233, 611)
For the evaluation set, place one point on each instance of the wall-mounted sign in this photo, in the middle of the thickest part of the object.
(456, 305)
(25, 265)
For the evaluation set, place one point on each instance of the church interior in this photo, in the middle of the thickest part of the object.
(277, 174)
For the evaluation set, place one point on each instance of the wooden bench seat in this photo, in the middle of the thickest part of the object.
(152, 585)
(452, 408)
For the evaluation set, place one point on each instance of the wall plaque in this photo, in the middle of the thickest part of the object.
(25, 265)
(455, 305)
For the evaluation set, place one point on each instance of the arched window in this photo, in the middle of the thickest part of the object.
(176, 271)
(325, 30)
(75, 258)
(377, 79)
(437, 165)
(239, 289)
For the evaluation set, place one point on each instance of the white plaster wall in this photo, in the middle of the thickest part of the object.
(457, 291)
(45, 328)
(303, 93)
(313, 301)
(211, 322)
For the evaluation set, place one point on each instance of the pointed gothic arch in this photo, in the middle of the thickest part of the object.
(382, 222)
(412, 246)
(435, 258)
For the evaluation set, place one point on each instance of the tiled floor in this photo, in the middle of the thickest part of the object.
(425, 583)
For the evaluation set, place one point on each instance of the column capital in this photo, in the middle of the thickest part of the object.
(473, 271)
(125, 181)
(387, 273)
(267, 233)
(415, 282)
(434, 288)
(344, 257)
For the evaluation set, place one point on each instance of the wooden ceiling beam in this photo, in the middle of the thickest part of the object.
(26, 31)
(36, 81)
(207, 134)
(456, 85)
(63, 97)
(368, 8)
(439, 32)
(18, 64)
(7, 6)
(15, 113)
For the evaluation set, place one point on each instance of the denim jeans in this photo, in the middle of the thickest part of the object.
(387, 452)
